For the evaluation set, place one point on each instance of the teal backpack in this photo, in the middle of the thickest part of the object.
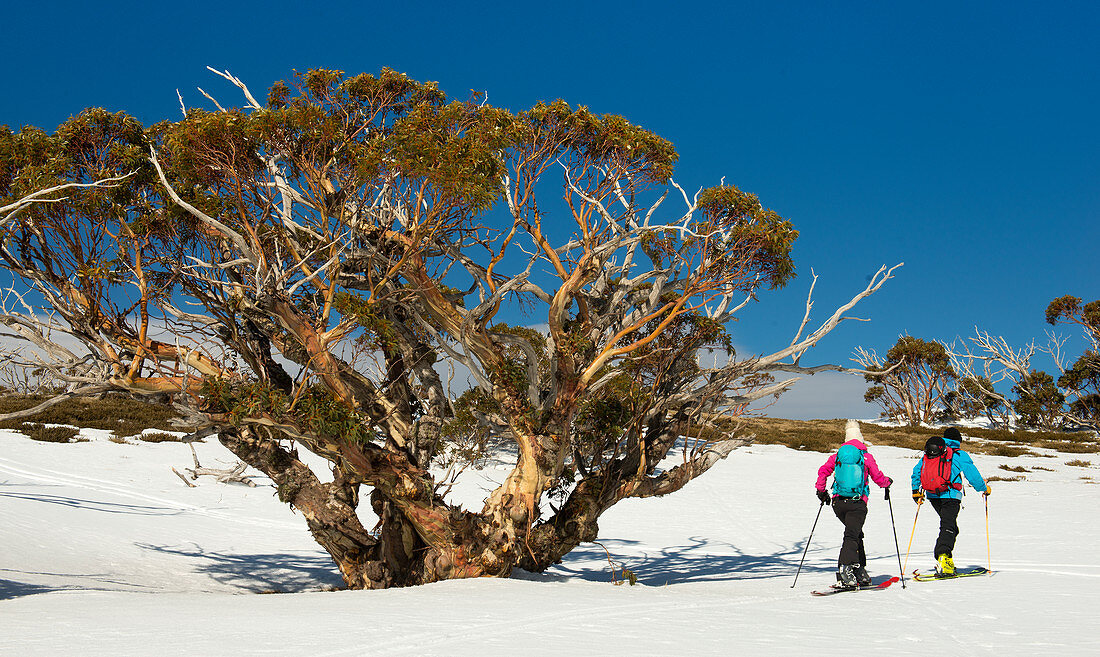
(849, 476)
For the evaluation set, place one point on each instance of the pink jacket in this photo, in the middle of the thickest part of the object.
(868, 461)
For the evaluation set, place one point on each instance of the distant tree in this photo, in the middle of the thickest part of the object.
(971, 399)
(1080, 382)
(1072, 400)
(911, 381)
(310, 274)
(1071, 309)
(1038, 401)
(958, 405)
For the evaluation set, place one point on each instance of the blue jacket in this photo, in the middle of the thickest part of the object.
(961, 464)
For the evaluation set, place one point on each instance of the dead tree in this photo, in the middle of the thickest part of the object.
(990, 361)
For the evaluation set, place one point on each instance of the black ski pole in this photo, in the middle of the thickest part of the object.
(897, 547)
(808, 539)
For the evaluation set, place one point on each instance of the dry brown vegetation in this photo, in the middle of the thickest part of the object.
(122, 415)
(828, 435)
(158, 437)
(128, 417)
(46, 434)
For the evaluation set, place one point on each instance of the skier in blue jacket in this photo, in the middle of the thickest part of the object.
(948, 502)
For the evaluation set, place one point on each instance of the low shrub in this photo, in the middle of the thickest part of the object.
(158, 437)
(52, 434)
(1070, 447)
(1016, 468)
(1000, 450)
(828, 435)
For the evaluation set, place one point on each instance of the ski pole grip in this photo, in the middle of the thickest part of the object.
(887, 492)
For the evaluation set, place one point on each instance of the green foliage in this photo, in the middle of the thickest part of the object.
(969, 400)
(315, 410)
(753, 234)
(874, 394)
(975, 389)
(604, 419)
(673, 354)
(608, 138)
(1081, 382)
(1084, 374)
(7, 160)
(466, 439)
(914, 388)
(379, 330)
(455, 148)
(1038, 403)
(205, 143)
(93, 145)
(919, 353)
(1070, 308)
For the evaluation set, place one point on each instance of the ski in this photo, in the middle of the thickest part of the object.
(834, 589)
(930, 575)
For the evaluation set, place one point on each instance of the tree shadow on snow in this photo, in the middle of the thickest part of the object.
(261, 573)
(10, 590)
(96, 505)
(700, 560)
(66, 581)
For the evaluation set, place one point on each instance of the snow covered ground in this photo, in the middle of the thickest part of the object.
(104, 551)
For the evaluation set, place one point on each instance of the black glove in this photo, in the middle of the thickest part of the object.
(823, 496)
(889, 481)
(918, 496)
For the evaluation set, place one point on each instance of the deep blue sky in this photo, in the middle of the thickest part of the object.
(962, 140)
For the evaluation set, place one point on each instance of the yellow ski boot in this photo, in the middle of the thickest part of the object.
(945, 566)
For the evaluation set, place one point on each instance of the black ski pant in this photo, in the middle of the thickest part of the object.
(853, 513)
(948, 510)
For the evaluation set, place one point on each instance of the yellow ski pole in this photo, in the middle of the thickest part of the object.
(989, 558)
(913, 533)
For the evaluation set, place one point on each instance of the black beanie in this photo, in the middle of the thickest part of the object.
(934, 447)
(951, 433)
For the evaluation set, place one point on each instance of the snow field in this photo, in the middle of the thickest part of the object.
(104, 551)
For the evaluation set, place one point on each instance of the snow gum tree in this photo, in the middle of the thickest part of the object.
(911, 382)
(1080, 382)
(361, 269)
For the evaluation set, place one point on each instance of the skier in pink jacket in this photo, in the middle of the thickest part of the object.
(851, 466)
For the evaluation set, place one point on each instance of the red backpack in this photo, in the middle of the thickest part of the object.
(935, 470)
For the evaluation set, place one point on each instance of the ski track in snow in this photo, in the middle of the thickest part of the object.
(88, 483)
